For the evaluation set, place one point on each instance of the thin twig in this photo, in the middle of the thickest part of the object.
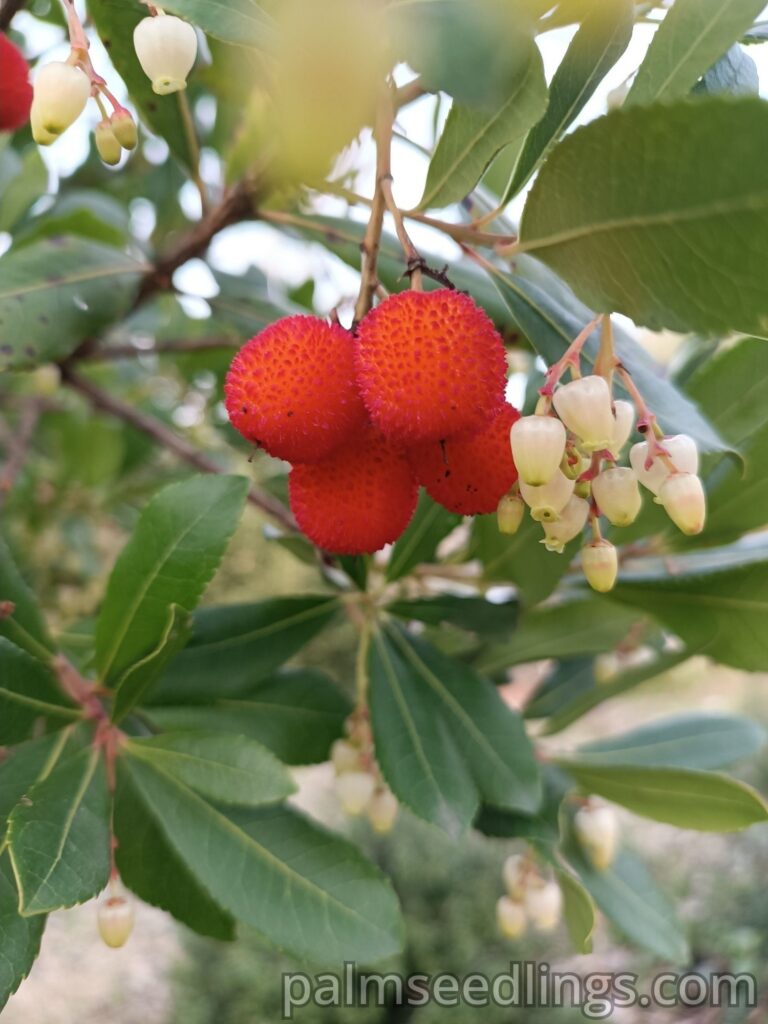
(371, 243)
(166, 438)
(409, 92)
(19, 447)
(190, 132)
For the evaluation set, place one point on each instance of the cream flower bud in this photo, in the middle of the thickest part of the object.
(584, 406)
(510, 918)
(115, 920)
(623, 422)
(597, 829)
(345, 757)
(61, 92)
(107, 146)
(617, 494)
(684, 501)
(41, 136)
(682, 452)
(538, 444)
(543, 904)
(382, 811)
(548, 501)
(600, 564)
(354, 790)
(167, 49)
(509, 513)
(570, 524)
(124, 129)
(514, 873)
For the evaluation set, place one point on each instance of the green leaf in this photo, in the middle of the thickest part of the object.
(58, 292)
(137, 679)
(229, 769)
(173, 553)
(615, 207)
(115, 21)
(59, 836)
(543, 826)
(297, 715)
(573, 627)
(737, 497)
(303, 889)
(601, 39)
(693, 34)
(25, 627)
(729, 389)
(701, 741)
(28, 691)
(23, 180)
(705, 801)
(475, 614)
(472, 137)
(578, 911)
(24, 765)
(83, 212)
(242, 22)
(21, 936)
(430, 524)
(735, 73)
(551, 318)
(150, 866)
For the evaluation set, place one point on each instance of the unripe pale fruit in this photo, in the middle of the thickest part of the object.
(124, 129)
(514, 873)
(61, 92)
(548, 501)
(684, 501)
(623, 422)
(584, 406)
(291, 389)
(543, 903)
(345, 757)
(572, 520)
(510, 513)
(15, 87)
(115, 919)
(600, 564)
(358, 499)
(538, 445)
(382, 811)
(617, 494)
(354, 790)
(167, 49)
(469, 476)
(430, 366)
(682, 451)
(107, 146)
(597, 829)
(510, 918)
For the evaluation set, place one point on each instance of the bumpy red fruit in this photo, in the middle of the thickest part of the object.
(291, 389)
(15, 88)
(469, 476)
(357, 500)
(430, 366)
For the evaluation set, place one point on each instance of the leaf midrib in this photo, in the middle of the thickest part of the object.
(262, 631)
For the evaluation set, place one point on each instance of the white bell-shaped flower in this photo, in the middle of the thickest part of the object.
(623, 422)
(572, 521)
(617, 494)
(61, 92)
(382, 811)
(510, 513)
(354, 790)
(597, 829)
(600, 565)
(584, 406)
(510, 918)
(543, 904)
(548, 501)
(345, 757)
(115, 919)
(107, 146)
(167, 49)
(514, 873)
(684, 501)
(538, 445)
(682, 451)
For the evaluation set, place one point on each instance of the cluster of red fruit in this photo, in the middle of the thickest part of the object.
(15, 87)
(414, 397)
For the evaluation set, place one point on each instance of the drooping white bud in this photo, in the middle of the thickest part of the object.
(570, 524)
(584, 406)
(543, 903)
(600, 564)
(623, 422)
(382, 811)
(345, 757)
(115, 919)
(617, 494)
(124, 128)
(354, 790)
(61, 92)
(538, 443)
(597, 829)
(682, 452)
(684, 501)
(509, 513)
(510, 918)
(107, 146)
(167, 49)
(548, 501)
(514, 873)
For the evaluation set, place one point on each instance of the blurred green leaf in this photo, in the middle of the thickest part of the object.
(430, 524)
(28, 691)
(578, 911)
(25, 627)
(23, 180)
(475, 614)
(243, 22)
(728, 388)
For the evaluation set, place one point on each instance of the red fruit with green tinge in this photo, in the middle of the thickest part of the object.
(291, 389)
(15, 87)
(469, 475)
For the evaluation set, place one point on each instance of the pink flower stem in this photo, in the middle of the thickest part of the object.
(647, 423)
(570, 359)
